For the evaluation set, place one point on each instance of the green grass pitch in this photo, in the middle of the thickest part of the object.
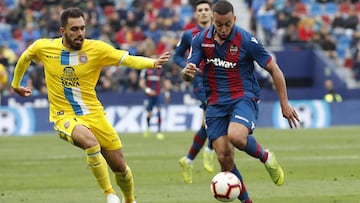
(321, 166)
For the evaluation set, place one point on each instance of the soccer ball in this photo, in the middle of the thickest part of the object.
(225, 186)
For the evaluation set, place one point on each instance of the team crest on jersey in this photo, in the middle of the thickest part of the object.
(233, 49)
(66, 124)
(83, 58)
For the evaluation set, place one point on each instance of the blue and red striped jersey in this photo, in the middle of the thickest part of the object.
(153, 79)
(183, 46)
(228, 73)
(180, 55)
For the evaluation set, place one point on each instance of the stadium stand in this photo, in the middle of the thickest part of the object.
(330, 8)
(137, 25)
(316, 9)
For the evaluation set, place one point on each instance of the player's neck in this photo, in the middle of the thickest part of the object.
(218, 39)
(205, 25)
(63, 42)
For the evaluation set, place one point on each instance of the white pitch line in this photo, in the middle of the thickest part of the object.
(350, 157)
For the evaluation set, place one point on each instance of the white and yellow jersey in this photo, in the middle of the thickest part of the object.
(71, 76)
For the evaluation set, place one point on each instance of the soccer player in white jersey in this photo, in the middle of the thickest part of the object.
(72, 66)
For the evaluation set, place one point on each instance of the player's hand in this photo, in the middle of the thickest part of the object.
(23, 91)
(290, 114)
(149, 91)
(164, 58)
(189, 72)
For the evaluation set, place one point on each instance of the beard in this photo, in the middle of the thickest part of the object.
(73, 45)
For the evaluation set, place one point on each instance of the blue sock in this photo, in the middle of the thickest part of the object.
(159, 121)
(254, 149)
(198, 142)
(148, 122)
(244, 196)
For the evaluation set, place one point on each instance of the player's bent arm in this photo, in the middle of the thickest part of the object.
(279, 81)
(186, 77)
(143, 86)
(20, 69)
(189, 72)
(179, 59)
(23, 91)
(180, 50)
(142, 83)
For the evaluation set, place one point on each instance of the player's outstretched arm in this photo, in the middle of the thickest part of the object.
(141, 62)
(164, 58)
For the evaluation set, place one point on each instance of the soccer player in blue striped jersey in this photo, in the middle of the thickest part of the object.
(232, 90)
(203, 15)
(156, 87)
(72, 66)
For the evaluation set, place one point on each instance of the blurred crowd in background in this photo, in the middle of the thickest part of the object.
(149, 28)
(329, 25)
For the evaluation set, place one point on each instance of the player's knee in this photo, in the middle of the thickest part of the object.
(118, 167)
(90, 143)
(238, 140)
(84, 141)
(237, 134)
(83, 137)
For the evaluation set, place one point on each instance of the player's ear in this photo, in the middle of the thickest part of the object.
(62, 30)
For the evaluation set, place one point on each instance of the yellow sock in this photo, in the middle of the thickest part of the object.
(99, 168)
(126, 183)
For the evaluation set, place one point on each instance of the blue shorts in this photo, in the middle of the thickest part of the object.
(152, 101)
(218, 117)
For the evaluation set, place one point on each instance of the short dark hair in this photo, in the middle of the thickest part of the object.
(71, 12)
(223, 7)
(202, 2)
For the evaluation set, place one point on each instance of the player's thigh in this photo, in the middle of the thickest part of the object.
(238, 134)
(65, 126)
(159, 100)
(237, 129)
(105, 132)
(245, 112)
(216, 127)
(150, 103)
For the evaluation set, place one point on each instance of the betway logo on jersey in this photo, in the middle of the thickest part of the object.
(221, 63)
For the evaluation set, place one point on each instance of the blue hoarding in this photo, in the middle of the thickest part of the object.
(25, 120)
